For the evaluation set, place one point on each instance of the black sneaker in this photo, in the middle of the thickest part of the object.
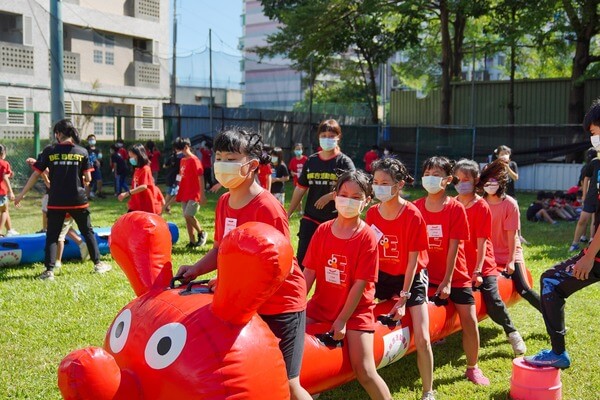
(191, 245)
(202, 238)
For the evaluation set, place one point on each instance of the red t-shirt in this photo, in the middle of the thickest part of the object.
(506, 217)
(5, 170)
(338, 264)
(123, 153)
(450, 223)
(151, 199)
(190, 169)
(398, 237)
(291, 295)
(154, 160)
(370, 156)
(206, 157)
(296, 166)
(480, 226)
(264, 171)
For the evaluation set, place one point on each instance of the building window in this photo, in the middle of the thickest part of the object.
(109, 58)
(109, 41)
(98, 128)
(109, 128)
(147, 118)
(68, 107)
(98, 56)
(17, 105)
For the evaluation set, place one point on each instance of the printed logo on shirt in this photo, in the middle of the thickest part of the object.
(389, 246)
(336, 271)
(435, 235)
(321, 178)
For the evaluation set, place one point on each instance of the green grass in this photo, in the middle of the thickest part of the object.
(41, 322)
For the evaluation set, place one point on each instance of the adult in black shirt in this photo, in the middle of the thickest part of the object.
(319, 177)
(280, 175)
(69, 171)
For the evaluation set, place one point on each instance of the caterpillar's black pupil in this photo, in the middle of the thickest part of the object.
(119, 330)
(164, 345)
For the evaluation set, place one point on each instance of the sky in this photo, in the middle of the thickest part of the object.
(194, 19)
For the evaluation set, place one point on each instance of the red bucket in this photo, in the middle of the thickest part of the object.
(534, 383)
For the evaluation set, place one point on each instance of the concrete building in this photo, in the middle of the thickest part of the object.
(231, 98)
(112, 66)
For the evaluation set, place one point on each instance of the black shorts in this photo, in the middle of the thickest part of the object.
(290, 329)
(389, 286)
(460, 295)
(590, 204)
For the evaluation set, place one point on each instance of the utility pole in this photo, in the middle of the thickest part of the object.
(174, 61)
(210, 101)
(57, 94)
(310, 103)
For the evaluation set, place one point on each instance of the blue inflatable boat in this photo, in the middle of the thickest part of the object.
(27, 249)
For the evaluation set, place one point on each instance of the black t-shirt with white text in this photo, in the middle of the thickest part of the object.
(279, 172)
(320, 177)
(66, 163)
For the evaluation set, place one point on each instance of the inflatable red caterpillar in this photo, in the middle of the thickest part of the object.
(186, 343)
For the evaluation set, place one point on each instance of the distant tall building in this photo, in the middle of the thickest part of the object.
(111, 66)
(273, 84)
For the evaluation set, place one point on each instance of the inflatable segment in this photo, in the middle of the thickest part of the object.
(28, 249)
(183, 342)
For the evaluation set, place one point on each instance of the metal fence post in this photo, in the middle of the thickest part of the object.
(417, 152)
(119, 127)
(36, 133)
(473, 138)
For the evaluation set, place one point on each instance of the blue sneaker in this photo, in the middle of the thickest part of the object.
(574, 247)
(548, 358)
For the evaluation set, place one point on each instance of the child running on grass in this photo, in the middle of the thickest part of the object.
(144, 195)
(570, 276)
(448, 229)
(479, 251)
(6, 192)
(238, 155)
(342, 259)
(191, 191)
(402, 241)
(506, 224)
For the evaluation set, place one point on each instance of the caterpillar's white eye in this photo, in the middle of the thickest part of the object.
(165, 345)
(120, 331)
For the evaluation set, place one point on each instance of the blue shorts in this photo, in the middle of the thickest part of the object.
(172, 190)
(97, 174)
(3, 200)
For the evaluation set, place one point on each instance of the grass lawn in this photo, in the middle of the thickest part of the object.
(41, 322)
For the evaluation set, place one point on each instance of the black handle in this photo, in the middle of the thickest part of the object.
(328, 340)
(438, 301)
(387, 320)
(178, 278)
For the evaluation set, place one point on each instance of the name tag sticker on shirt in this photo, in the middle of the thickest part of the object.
(434, 231)
(378, 233)
(178, 178)
(332, 275)
(230, 224)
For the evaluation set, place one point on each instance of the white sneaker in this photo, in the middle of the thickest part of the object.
(428, 395)
(102, 267)
(58, 264)
(46, 276)
(517, 343)
(83, 250)
(11, 232)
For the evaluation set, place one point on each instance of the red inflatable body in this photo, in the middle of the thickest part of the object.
(186, 343)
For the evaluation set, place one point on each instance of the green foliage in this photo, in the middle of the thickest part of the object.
(43, 321)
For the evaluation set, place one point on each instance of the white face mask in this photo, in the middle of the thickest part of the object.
(595, 139)
(491, 189)
(433, 184)
(328, 144)
(274, 159)
(383, 193)
(229, 173)
(464, 187)
(504, 157)
(347, 207)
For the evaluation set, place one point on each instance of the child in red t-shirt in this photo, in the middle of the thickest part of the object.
(448, 229)
(6, 192)
(402, 241)
(480, 253)
(144, 195)
(342, 259)
(296, 165)
(191, 191)
(237, 157)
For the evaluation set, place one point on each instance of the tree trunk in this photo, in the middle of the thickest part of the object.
(458, 39)
(576, 94)
(445, 64)
(373, 103)
(511, 88)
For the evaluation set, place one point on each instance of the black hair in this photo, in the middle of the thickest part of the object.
(592, 117)
(142, 158)
(66, 128)
(330, 125)
(468, 166)
(299, 145)
(495, 170)
(180, 143)
(362, 180)
(238, 140)
(394, 168)
(90, 135)
(541, 195)
(590, 155)
(150, 145)
(440, 162)
(2, 149)
(278, 152)
(549, 195)
(502, 148)
(375, 147)
(114, 147)
(560, 194)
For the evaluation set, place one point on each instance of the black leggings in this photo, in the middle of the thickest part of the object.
(557, 284)
(519, 277)
(305, 233)
(496, 308)
(56, 218)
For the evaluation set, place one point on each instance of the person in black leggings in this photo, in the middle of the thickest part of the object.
(69, 171)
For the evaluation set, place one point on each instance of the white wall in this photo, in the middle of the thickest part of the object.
(546, 176)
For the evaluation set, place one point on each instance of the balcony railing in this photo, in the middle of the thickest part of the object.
(71, 65)
(16, 58)
(143, 74)
(144, 9)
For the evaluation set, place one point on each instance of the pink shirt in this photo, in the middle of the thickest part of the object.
(506, 217)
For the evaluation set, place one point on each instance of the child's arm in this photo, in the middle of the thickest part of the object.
(477, 278)
(11, 195)
(339, 325)
(269, 182)
(206, 264)
(202, 191)
(411, 270)
(585, 187)
(584, 265)
(443, 290)
(309, 277)
(138, 189)
(296, 199)
(30, 182)
(512, 247)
